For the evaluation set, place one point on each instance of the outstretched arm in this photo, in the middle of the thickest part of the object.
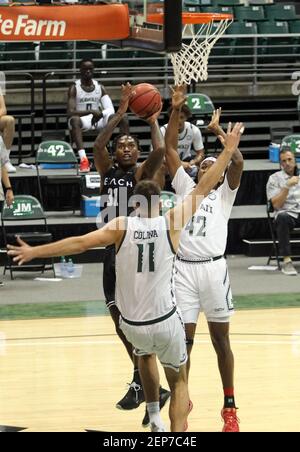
(102, 159)
(171, 138)
(235, 169)
(179, 216)
(155, 159)
(111, 233)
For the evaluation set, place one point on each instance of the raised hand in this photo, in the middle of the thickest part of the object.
(125, 96)
(215, 120)
(22, 253)
(178, 96)
(154, 117)
(233, 136)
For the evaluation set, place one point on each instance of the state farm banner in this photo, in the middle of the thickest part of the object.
(64, 23)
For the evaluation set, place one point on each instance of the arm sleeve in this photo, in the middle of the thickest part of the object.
(182, 183)
(107, 106)
(228, 197)
(197, 140)
(273, 187)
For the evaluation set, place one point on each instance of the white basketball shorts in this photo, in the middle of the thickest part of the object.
(203, 287)
(166, 339)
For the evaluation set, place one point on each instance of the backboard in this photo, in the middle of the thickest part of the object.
(149, 36)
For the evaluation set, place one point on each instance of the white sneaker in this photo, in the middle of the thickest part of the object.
(288, 269)
(157, 428)
(10, 168)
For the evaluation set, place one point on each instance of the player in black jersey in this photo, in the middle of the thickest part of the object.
(119, 175)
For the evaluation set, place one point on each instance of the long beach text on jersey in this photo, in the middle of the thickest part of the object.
(113, 181)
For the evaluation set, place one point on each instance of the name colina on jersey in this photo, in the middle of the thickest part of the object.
(145, 235)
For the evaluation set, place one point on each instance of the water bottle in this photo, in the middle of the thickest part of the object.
(63, 264)
(70, 268)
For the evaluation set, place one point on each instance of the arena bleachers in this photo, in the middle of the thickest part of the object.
(250, 77)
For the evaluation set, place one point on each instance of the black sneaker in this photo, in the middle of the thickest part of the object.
(163, 397)
(1, 284)
(133, 398)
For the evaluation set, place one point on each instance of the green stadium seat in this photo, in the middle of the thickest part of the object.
(280, 12)
(281, 45)
(292, 142)
(258, 2)
(88, 49)
(187, 3)
(56, 55)
(242, 47)
(252, 13)
(191, 6)
(18, 54)
(294, 27)
(205, 2)
(217, 9)
(227, 2)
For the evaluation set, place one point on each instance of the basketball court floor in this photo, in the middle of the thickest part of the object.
(67, 375)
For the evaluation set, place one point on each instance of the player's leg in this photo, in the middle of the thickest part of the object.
(77, 125)
(218, 307)
(180, 402)
(219, 333)
(190, 330)
(170, 345)
(134, 396)
(187, 297)
(150, 380)
(7, 129)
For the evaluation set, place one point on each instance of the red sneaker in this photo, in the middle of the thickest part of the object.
(186, 425)
(231, 421)
(84, 165)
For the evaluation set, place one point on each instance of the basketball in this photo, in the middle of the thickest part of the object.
(145, 100)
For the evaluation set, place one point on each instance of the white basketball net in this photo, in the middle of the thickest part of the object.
(190, 63)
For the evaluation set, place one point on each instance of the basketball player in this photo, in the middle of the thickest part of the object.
(202, 282)
(189, 137)
(145, 249)
(89, 108)
(7, 131)
(119, 177)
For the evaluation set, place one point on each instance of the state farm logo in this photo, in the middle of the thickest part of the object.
(31, 27)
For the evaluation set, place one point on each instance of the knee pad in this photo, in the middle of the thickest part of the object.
(189, 342)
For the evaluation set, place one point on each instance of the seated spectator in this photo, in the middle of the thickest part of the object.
(89, 108)
(189, 138)
(9, 196)
(283, 190)
(7, 130)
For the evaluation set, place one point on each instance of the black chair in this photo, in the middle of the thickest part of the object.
(274, 252)
(58, 155)
(26, 213)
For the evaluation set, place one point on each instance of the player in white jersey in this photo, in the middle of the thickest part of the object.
(145, 251)
(89, 108)
(189, 139)
(202, 282)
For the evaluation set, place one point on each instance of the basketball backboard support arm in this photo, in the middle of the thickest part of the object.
(153, 37)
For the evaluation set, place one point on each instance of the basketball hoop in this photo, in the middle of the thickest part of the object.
(190, 63)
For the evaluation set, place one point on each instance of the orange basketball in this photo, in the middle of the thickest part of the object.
(145, 100)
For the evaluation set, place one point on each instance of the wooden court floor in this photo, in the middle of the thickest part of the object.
(67, 375)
